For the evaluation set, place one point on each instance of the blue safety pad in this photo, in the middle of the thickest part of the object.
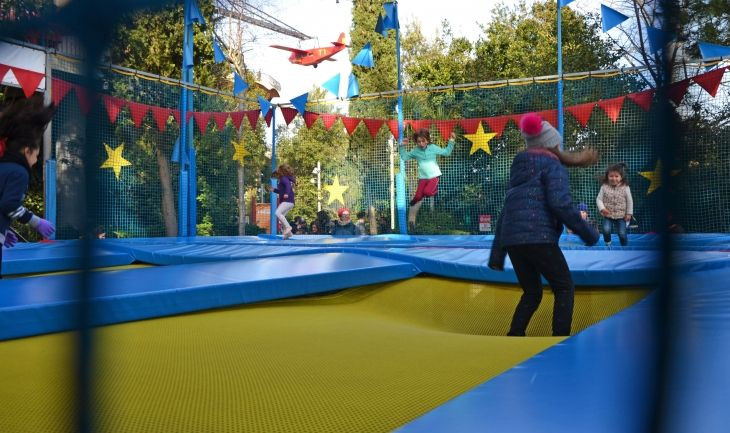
(605, 376)
(699, 389)
(600, 380)
(37, 305)
(27, 258)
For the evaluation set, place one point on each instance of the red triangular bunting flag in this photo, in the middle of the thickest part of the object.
(710, 81)
(160, 115)
(496, 124)
(445, 127)
(268, 116)
(676, 91)
(3, 71)
(113, 107)
(581, 112)
(328, 120)
(60, 90)
(373, 126)
(470, 125)
(220, 119)
(28, 80)
(82, 96)
(310, 118)
(288, 113)
(642, 99)
(201, 119)
(393, 126)
(612, 107)
(550, 116)
(350, 123)
(137, 111)
(419, 124)
(516, 118)
(253, 117)
(237, 118)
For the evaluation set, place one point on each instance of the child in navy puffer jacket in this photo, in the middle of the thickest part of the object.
(536, 206)
(21, 130)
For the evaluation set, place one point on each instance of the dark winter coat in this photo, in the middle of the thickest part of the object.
(14, 179)
(537, 205)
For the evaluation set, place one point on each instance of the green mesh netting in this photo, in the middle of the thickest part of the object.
(471, 188)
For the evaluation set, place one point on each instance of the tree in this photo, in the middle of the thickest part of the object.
(521, 42)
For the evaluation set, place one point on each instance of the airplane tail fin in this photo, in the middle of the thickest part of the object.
(340, 41)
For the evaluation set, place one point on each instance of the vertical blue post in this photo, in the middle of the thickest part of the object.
(49, 194)
(185, 134)
(272, 195)
(400, 181)
(560, 71)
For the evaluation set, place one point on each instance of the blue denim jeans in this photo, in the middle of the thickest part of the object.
(611, 225)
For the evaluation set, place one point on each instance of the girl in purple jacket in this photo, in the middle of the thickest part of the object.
(285, 189)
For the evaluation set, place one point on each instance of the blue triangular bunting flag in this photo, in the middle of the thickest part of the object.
(218, 53)
(238, 84)
(564, 2)
(300, 102)
(379, 26)
(265, 106)
(364, 57)
(193, 14)
(391, 16)
(353, 88)
(709, 51)
(657, 38)
(333, 85)
(611, 18)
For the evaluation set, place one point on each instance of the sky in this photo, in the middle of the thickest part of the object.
(325, 19)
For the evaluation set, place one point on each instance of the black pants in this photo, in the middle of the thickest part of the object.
(531, 261)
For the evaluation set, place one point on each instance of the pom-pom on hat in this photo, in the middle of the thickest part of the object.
(343, 210)
(538, 133)
(582, 207)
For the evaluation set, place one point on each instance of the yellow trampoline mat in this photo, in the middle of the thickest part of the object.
(367, 359)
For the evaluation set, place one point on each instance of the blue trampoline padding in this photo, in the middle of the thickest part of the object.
(27, 258)
(38, 305)
(699, 389)
(597, 381)
(593, 267)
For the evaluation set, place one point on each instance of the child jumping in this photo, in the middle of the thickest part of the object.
(21, 130)
(615, 203)
(536, 206)
(428, 169)
(285, 189)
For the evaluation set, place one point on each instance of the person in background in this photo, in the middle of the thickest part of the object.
(314, 228)
(615, 203)
(429, 172)
(344, 225)
(360, 225)
(21, 131)
(285, 189)
(536, 205)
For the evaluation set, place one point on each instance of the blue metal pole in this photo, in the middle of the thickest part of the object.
(272, 195)
(560, 73)
(400, 182)
(183, 188)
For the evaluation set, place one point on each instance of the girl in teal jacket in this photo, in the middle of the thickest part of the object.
(428, 169)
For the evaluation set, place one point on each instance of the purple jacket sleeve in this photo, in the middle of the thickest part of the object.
(560, 202)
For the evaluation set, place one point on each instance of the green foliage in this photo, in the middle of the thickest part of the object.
(521, 42)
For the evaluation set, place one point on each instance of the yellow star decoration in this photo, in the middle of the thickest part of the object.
(480, 140)
(655, 177)
(240, 152)
(115, 160)
(335, 191)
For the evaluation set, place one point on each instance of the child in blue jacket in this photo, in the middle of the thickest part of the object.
(536, 206)
(21, 131)
(285, 189)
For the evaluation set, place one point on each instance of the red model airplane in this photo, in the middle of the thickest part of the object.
(314, 56)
